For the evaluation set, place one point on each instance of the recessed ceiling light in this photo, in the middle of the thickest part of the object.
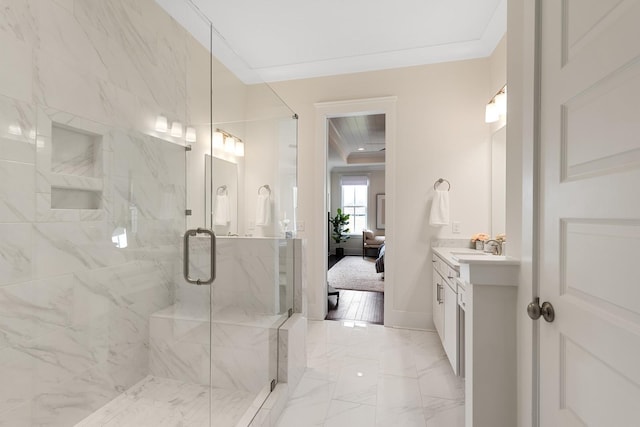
(361, 149)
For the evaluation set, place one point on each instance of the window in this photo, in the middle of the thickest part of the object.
(354, 201)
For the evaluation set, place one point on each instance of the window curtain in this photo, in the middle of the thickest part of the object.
(354, 180)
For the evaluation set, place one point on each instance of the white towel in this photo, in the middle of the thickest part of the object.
(440, 209)
(221, 212)
(263, 210)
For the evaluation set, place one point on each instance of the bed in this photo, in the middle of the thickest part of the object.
(380, 260)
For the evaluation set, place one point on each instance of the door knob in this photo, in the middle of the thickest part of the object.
(534, 310)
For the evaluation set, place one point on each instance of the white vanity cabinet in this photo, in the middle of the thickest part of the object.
(477, 293)
(438, 304)
(445, 309)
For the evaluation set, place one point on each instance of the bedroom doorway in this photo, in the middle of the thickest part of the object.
(355, 171)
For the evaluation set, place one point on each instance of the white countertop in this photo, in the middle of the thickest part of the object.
(456, 256)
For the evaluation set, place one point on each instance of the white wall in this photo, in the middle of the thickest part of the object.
(440, 133)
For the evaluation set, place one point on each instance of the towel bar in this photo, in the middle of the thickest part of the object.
(440, 181)
(266, 187)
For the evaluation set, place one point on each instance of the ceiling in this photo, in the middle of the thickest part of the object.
(265, 41)
(356, 140)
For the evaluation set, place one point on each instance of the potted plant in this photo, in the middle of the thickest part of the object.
(340, 232)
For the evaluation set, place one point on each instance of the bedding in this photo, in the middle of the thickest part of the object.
(380, 260)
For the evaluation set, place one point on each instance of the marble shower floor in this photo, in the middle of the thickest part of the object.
(363, 375)
(162, 402)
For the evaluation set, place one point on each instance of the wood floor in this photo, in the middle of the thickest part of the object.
(363, 306)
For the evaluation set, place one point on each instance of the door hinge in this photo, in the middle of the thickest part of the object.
(187, 212)
(187, 148)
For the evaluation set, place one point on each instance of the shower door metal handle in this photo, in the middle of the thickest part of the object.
(185, 268)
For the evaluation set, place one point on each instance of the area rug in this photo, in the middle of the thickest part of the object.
(356, 273)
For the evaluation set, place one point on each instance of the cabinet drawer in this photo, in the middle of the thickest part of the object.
(452, 274)
(445, 270)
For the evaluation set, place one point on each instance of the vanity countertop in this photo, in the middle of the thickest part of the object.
(456, 256)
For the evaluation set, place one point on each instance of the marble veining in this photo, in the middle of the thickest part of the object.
(249, 275)
(350, 379)
(16, 257)
(238, 350)
(75, 311)
(158, 401)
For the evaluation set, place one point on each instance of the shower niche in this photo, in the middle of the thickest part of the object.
(76, 168)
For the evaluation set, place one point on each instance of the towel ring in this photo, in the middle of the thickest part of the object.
(221, 190)
(440, 181)
(266, 187)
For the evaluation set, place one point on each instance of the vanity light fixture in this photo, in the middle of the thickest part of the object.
(161, 124)
(176, 129)
(190, 134)
(229, 143)
(497, 106)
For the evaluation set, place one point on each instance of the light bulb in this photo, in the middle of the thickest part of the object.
(229, 144)
(218, 139)
(491, 113)
(501, 103)
(176, 129)
(239, 149)
(190, 134)
(161, 124)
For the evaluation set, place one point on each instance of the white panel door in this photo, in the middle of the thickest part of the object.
(590, 213)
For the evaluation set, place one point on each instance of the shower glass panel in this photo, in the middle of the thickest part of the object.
(253, 161)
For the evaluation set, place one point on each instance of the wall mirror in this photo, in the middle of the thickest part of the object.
(221, 196)
(498, 181)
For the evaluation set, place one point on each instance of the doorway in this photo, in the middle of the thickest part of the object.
(355, 171)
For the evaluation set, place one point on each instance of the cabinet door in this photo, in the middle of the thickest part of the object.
(451, 326)
(438, 305)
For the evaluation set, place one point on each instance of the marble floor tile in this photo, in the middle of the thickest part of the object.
(399, 361)
(439, 381)
(309, 403)
(443, 412)
(358, 381)
(369, 375)
(348, 414)
(399, 392)
(400, 416)
(164, 402)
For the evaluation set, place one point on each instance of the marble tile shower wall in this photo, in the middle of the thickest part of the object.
(253, 278)
(74, 309)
